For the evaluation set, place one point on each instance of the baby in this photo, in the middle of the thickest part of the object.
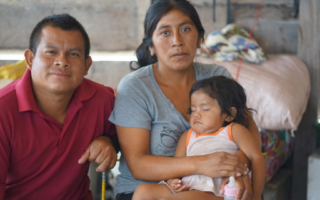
(218, 113)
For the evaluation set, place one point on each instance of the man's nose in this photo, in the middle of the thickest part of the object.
(62, 60)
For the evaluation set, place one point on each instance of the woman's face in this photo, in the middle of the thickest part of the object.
(175, 41)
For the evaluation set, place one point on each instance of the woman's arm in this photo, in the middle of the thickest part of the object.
(134, 143)
(243, 138)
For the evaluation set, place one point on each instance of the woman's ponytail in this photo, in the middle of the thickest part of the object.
(144, 57)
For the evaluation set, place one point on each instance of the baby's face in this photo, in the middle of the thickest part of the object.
(206, 116)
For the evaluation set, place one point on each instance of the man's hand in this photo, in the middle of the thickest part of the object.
(102, 152)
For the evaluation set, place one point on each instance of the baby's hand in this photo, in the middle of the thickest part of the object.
(176, 185)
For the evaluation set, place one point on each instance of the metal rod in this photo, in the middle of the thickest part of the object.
(214, 10)
(229, 18)
(103, 186)
(296, 8)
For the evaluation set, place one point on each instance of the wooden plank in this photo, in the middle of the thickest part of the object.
(279, 186)
(274, 2)
(274, 36)
(309, 52)
(313, 191)
(143, 6)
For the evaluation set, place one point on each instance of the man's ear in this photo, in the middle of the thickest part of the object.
(28, 55)
(88, 64)
(152, 52)
(233, 112)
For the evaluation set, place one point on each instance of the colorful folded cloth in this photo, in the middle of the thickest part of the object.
(14, 70)
(277, 146)
(230, 44)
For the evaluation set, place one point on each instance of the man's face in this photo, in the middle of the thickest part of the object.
(59, 65)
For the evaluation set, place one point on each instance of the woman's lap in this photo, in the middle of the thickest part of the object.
(161, 192)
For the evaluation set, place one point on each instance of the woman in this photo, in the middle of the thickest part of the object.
(151, 106)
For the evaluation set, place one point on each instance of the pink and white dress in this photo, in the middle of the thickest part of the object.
(202, 144)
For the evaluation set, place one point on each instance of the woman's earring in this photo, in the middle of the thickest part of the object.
(152, 53)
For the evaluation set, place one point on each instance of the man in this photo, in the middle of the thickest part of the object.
(52, 119)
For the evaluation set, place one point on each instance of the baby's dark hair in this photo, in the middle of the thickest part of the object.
(228, 93)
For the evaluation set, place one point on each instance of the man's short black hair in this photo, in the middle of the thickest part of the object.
(62, 21)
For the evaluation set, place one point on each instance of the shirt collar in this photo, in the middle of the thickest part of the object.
(85, 90)
(26, 98)
(25, 93)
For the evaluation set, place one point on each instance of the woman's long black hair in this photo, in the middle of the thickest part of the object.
(155, 12)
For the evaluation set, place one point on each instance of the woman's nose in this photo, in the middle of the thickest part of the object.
(177, 39)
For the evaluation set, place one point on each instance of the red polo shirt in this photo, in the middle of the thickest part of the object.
(38, 156)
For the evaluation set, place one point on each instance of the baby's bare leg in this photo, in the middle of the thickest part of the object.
(191, 195)
(151, 191)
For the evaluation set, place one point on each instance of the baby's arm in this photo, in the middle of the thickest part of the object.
(181, 150)
(246, 142)
(176, 184)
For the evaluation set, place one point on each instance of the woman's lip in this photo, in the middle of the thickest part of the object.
(180, 54)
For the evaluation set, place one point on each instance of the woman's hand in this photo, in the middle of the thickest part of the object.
(176, 185)
(221, 164)
(243, 185)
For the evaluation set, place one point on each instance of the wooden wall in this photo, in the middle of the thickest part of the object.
(309, 52)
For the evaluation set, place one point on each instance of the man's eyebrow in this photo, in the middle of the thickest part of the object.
(55, 47)
(76, 49)
(50, 46)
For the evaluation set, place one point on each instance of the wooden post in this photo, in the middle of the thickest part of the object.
(143, 6)
(306, 136)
